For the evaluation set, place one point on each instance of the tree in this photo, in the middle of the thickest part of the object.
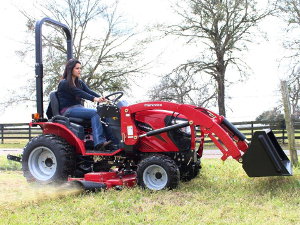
(110, 51)
(273, 115)
(289, 123)
(220, 29)
(294, 93)
(289, 12)
(182, 89)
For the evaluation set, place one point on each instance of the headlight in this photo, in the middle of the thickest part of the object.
(186, 130)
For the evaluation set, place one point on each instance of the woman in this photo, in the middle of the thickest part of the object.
(70, 92)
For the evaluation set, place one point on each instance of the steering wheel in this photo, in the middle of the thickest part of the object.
(119, 95)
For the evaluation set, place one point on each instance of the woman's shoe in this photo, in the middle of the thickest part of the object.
(101, 146)
(111, 147)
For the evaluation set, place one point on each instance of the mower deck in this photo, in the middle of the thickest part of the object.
(105, 180)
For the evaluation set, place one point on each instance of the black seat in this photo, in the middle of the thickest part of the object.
(54, 103)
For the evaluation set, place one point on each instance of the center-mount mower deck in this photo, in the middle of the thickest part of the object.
(156, 142)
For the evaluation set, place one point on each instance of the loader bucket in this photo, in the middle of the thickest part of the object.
(265, 157)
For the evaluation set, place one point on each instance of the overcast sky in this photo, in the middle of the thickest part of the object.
(248, 99)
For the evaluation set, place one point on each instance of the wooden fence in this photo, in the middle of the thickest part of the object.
(24, 131)
(278, 128)
(18, 131)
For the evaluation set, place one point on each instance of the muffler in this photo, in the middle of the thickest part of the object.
(265, 157)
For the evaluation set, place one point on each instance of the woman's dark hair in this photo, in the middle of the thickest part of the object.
(68, 72)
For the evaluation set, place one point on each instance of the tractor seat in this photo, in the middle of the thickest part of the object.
(55, 111)
(83, 122)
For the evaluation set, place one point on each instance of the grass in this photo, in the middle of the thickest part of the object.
(14, 143)
(8, 164)
(221, 194)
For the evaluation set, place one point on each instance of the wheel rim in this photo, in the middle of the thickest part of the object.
(155, 177)
(42, 163)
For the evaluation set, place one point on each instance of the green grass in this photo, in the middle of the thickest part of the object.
(11, 143)
(8, 164)
(221, 194)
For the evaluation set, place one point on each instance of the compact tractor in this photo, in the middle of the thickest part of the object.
(159, 143)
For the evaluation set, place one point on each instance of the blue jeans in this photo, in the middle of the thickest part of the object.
(86, 113)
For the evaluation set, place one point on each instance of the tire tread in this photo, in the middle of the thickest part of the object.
(62, 148)
(174, 174)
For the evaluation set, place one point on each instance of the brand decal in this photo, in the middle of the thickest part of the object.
(152, 105)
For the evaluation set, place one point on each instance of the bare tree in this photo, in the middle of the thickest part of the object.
(289, 11)
(109, 49)
(220, 29)
(182, 89)
(294, 92)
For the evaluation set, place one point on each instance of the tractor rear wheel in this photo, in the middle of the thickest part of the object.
(48, 159)
(158, 172)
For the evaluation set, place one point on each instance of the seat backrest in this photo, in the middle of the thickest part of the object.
(54, 103)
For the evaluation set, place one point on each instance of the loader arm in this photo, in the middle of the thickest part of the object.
(210, 124)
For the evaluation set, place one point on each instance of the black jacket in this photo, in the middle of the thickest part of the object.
(69, 96)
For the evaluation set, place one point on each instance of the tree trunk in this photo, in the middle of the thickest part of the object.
(221, 95)
(289, 123)
(220, 77)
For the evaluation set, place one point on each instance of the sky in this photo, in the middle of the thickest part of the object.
(260, 92)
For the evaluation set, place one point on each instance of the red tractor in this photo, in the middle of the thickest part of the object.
(159, 143)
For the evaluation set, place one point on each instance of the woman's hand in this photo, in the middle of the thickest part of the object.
(100, 99)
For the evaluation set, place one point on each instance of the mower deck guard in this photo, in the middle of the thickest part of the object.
(265, 157)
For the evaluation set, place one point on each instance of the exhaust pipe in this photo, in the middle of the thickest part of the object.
(265, 157)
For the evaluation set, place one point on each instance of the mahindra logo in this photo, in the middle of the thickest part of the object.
(152, 105)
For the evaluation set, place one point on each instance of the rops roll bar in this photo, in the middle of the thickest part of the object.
(39, 70)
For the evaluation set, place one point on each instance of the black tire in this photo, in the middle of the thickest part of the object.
(158, 172)
(189, 172)
(48, 159)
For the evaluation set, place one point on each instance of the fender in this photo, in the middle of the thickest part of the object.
(62, 131)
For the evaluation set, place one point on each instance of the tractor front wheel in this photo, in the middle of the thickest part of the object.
(158, 172)
(189, 172)
(48, 159)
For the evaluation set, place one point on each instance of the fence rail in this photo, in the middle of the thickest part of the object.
(24, 131)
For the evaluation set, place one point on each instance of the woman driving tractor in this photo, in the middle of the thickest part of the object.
(70, 92)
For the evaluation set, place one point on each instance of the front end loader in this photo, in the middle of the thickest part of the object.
(158, 143)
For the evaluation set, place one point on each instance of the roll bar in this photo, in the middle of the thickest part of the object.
(39, 70)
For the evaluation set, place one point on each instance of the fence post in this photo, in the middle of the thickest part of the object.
(29, 130)
(2, 133)
(283, 129)
(252, 130)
